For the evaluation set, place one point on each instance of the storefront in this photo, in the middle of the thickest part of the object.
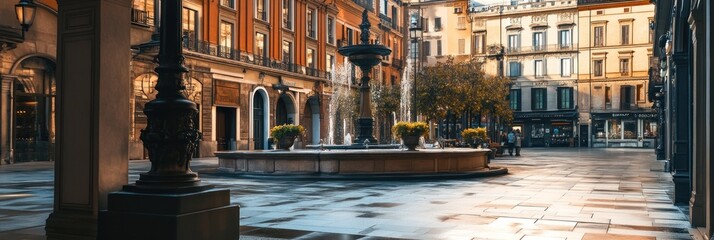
(547, 129)
(625, 129)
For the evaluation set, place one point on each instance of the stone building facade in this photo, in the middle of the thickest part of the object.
(252, 65)
(615, 52)
(535, 45)
(27, 97)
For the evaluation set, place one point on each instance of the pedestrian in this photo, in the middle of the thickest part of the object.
(511, 142)
(519, 139)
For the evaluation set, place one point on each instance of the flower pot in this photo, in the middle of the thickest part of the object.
(411, 142)
(286, 142)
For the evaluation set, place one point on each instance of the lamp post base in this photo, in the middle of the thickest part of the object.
(199, 215)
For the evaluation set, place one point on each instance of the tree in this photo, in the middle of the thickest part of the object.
(450, 87)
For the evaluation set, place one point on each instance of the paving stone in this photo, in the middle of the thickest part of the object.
(555, 193)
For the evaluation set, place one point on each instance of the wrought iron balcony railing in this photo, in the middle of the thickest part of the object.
(539, 48)
(207, 48)
(139, 16)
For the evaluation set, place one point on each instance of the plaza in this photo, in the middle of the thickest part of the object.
(548, 194)
(339, 119)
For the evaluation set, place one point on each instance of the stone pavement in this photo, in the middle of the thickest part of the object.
(555, 193)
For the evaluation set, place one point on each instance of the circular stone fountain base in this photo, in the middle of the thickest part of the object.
(364, 164)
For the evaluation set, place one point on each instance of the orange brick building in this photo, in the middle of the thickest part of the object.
(255, 64)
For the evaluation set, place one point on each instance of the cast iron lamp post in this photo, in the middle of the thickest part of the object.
(25, 13)
(171, 135)
(415, 33)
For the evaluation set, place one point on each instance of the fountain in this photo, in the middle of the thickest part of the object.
(365, 55)
(364, 157)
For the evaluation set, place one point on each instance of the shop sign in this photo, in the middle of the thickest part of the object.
(624, 115)
(226, 93)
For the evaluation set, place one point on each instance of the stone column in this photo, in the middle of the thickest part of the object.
(92, 140)
(5, 119)
(699, 199)
(681, 127)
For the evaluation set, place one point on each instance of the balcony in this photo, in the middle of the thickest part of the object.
(139, 16)
(367, 4)
(262, 15)
(539, 49)
(252, 59)
(386, 21)
(227, 3)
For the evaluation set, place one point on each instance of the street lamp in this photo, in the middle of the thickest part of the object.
(415, 33)
(25, 13)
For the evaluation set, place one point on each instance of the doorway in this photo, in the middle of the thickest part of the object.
(34, 110)
(260, 130)
(226, 128)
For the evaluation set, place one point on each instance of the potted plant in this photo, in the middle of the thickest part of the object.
(474, 136)
(285, 135)
(410, 132)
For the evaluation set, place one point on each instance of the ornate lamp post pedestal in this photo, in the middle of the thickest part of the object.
(169, 201)
(365, 55)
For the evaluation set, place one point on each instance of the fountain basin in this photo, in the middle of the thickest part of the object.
(353, 146)
(373, 162)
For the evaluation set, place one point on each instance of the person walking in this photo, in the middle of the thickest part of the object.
(519, 139)
(511, 142)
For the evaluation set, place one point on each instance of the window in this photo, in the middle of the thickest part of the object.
(514, 69)
(640, 93)
(650, 128)
(515, 99)
(311, 23)
(565, 66)
(227, 3)
(564, 39)
(538, 99)
(142, 11)
(427, 48)
(225, 39)
(565, 98)
(350, 36)
(461, 24)
(190, 34)
(624, 67)
(330, 30)
(599, 36)
(539, 68)
(438, 47)
(629, 130)
(625, 34)
(310, 57)
(479, 46)
(260, 45)
(383, 7)
(627, 97)
(538, 41)
(608, 97)
(288, 14)
(597, 68)
(261, 10)
(425, 24)
(462, 46)
(437, 24)
(287, 52)
(330, 62)
(652, 33)
(514, 42)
